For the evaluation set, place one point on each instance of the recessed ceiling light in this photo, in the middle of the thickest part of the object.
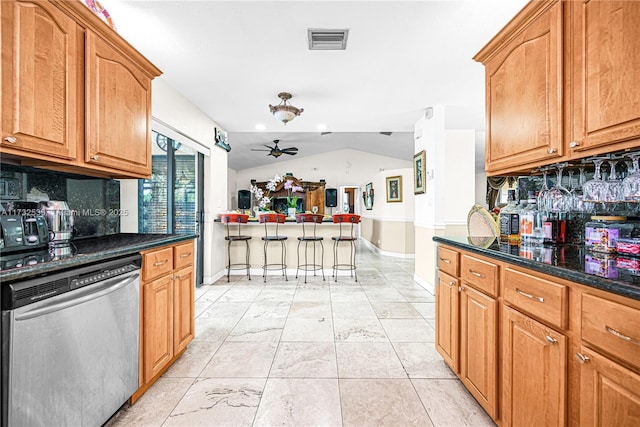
(322, 127)
(260, 126)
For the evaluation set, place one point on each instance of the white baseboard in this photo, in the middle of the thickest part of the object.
(426, 285)
(378, 251)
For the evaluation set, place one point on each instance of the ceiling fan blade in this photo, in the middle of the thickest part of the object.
(386, 133)
(271, 148)
(325, 133)
(290, 149)
(258, 149)
(292, 154)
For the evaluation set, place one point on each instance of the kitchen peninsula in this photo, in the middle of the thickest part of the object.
(327, 229)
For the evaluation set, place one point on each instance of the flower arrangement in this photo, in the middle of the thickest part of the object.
(292, 201)
(263, 198)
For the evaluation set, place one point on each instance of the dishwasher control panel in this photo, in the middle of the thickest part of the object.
(106, 274)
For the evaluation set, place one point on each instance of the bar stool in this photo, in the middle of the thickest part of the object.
(228, 219)
(310, 238)
(274, 218)
(345, 236)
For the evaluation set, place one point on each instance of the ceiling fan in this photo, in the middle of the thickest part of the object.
(276, 151)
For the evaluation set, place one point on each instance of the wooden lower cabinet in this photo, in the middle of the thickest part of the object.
(447, 324)
(479, 347)
(534, 383)
(168, 314)
(157, 325)
(609, 392)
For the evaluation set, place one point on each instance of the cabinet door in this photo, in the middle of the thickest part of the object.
(447, 324)
(606, 64)
(609, 393)
(118, 110)
(183, 308)
(40, 72)
(524, 95)
(533, 372)
(158, 325)
(479, 347)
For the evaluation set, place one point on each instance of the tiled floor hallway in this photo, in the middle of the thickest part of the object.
(321, 353)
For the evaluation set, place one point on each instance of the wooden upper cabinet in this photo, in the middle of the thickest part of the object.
(606, 70)
(524, 88)
(118, 109)
(40, 77)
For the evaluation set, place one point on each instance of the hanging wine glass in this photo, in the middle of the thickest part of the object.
(612, 190)
(558, 198)
(592, 189)
(542, 194)
(631, 184)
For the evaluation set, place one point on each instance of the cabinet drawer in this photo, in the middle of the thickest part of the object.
(448, 261)
(157, 263)
(613, 327)
(183, 255)
(541, 298)
(480, 274)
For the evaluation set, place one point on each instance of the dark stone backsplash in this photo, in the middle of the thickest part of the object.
(96, 201)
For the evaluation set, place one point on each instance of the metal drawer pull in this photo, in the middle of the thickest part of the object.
(620, 335)
(581, 358)
(159, 263)
(460, 289)
(95, 157)
(551, 340)
(10, 139)
(452, 283)
(445, 261)
(523, 293)
(477, 274)
(185, 255)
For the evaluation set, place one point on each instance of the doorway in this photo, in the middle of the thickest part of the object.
(348, 202)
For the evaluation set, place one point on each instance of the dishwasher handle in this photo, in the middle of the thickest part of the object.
(71, 299)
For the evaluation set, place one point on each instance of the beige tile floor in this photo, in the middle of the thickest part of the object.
(322, 353)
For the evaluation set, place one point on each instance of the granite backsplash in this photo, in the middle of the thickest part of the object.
(96, 201)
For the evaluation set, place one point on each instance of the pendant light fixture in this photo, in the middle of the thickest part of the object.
(284, 111)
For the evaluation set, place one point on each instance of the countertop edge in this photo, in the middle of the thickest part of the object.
(89, 258)
(610, 285)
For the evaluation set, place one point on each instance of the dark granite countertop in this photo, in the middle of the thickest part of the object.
(613, 273)
(90, 250)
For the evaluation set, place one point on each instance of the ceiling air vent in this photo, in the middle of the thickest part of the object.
(323, 39)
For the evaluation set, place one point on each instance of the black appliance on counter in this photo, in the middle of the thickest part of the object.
(22, 232)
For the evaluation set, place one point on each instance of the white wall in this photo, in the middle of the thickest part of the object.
(172, 108)
(340, 167)
(404, 211)
(450, 187)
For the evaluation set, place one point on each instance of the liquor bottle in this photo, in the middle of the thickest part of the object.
(527, 218)
(510, 220)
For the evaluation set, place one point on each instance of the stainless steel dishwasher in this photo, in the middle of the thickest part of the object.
(70, 345)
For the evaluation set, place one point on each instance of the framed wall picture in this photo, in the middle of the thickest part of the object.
(368, 196)
(419, 173)
(394, 189)
(221, 139)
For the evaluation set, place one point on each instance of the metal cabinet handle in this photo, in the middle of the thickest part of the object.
(523, 293)
(460, 288)
(582, 358)
(185, 255)
(574, 144)
(477, 274)
(445, 261)
(551, 340)
(159, 263)
(452, 283)
(552, 150)
(95, 157)
(621, 335)
(10, 139)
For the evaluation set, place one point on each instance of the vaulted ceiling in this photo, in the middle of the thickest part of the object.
(232, 58)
